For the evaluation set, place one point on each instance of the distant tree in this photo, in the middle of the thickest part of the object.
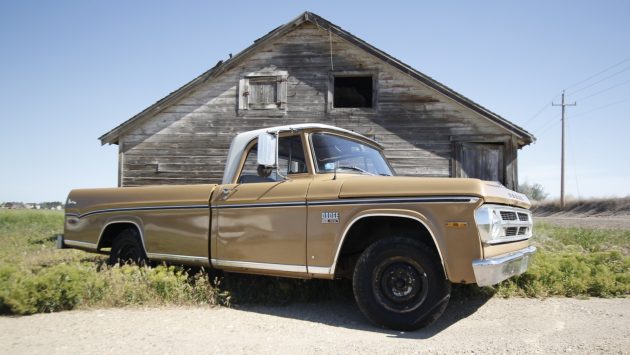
(51, 205)
(533, 192)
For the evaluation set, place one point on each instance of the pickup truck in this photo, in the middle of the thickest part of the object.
(316, 201)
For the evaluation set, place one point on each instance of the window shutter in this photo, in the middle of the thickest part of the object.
(243, 94)
(281, 96)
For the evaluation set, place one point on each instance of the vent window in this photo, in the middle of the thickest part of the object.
(263, 91)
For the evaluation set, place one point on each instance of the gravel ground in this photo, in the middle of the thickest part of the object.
(554, 325)
(613, 222)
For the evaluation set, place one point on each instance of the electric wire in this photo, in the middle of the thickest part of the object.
(546, 128)
(602, 107)
(598, 73)
(599, 81)
(541, 110)
(604, 90)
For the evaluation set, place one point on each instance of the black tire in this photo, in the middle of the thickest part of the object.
(399, 283)
(127, 249)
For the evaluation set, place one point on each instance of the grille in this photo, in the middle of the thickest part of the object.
(511, 231)
(508, 216)
(523, 217)
(523, 230)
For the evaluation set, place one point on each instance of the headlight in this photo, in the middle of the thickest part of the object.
(501, 224)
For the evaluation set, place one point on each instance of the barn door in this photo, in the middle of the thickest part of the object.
(480, 160)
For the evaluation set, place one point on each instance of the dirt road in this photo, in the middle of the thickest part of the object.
(481, 326)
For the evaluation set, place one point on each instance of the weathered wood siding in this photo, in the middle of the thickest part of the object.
(188, 142)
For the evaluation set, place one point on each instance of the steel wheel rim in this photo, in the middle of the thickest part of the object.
(400, 284)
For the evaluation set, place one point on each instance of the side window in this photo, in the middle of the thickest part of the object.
(290, 158)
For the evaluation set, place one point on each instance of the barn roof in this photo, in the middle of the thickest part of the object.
(112, 136)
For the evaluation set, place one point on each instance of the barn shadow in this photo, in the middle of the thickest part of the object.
(332, 303)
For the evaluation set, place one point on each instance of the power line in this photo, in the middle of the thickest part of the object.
(541, 110)
(599, 81)
(548, 128)
(602, 91)
(547, 124)
(546, 105)
(598, 73)
(602, 107)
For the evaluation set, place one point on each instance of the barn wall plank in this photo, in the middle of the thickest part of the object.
(190, 139)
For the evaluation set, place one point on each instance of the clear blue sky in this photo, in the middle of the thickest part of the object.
(72, 70)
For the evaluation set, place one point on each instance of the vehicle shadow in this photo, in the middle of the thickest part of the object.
(332, 303)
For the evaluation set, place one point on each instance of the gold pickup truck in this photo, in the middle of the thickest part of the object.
(316, 201)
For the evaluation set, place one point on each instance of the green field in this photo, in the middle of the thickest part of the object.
(35, 277)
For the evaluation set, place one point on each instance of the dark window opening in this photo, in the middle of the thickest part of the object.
(352, 91)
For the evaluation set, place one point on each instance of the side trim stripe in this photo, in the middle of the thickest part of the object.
(174, 257)
(147, 208)
(270, 204)
(356, 201)
(258, 266)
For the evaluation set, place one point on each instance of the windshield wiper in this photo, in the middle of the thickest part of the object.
(355, 169)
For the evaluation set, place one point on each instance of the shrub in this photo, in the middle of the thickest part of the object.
(57, 288)
(534, 192)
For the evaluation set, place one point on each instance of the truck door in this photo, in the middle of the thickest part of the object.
(262, 218)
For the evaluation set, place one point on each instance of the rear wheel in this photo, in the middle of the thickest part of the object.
(399, 283)
(127, 249)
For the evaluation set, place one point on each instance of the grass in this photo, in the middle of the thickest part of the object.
(35, 277)
(574, 262)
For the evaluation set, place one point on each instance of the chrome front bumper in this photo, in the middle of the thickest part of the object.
(494, 270)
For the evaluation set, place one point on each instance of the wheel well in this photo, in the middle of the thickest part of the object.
(370, 229)
(111, 231)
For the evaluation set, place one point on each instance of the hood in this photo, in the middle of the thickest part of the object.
(401, 186)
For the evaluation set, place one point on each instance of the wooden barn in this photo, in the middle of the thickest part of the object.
(311, 70)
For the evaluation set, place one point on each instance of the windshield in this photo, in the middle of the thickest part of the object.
(348, 156)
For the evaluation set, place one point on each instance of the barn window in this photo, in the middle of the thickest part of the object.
(263, 91)
(353, 91)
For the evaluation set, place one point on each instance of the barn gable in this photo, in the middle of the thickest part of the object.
(296, 74)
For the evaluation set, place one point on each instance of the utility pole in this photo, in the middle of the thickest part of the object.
(562, 154)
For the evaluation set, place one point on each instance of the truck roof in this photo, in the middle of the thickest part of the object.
(240, 142)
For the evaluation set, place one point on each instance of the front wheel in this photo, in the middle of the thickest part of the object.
(399, 283)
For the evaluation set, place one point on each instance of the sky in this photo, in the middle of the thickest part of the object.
(72, 70)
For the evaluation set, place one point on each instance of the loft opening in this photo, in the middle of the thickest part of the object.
(353, 91)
